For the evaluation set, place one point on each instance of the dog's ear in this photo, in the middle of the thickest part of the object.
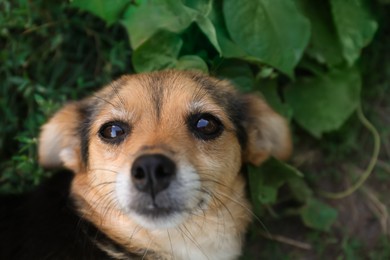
(59, 141)
(268, 132)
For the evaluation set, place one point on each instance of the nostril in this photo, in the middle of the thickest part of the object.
(139, 174)
(140, 178)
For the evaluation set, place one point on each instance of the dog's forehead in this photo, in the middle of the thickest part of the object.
(167, 92)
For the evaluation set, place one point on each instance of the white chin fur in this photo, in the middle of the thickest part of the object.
(187, 188)
(171, 221)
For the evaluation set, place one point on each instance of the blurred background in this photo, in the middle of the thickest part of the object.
(324, 65)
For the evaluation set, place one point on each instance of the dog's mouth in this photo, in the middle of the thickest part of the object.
(154, 211)
(160, 206)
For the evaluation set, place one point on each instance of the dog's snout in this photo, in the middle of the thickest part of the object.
(152, 173)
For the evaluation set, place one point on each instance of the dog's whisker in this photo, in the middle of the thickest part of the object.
(246, 208)
(104, 170)
(103, 99)
(114, 86)
(191, 239)
(170, 243)
(147, 248)
(220, 202)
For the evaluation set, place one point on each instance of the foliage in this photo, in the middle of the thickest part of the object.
(303, 56)
(49, 54)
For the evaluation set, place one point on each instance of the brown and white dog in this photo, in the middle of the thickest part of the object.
(155, 164)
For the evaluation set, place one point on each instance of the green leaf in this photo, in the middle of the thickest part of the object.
(203, 8)
(324, 45)
(192, 62)
(322, 103)
(207, 27)
(318, 215)
(269, 89)
(299, 189)
(159, 52)
(229, 49)
(107, 10)
(355, 26)
(267, 195)
(149, 17)
(239, 73)
(268, 178)
(271, 31)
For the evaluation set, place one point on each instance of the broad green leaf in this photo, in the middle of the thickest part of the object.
(269, 89)
(355, 26)
(229, 49)
(324, 45)
(107, 10)
(239, 73)
(265, 180)
(192, 62)
(202, 6)
(322, 103)
(159, 52)
(144, 20)
(272, 31)
(318, 215)
(207, 27)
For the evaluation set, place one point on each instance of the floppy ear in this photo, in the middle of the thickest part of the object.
(268, 132)
(59, 141)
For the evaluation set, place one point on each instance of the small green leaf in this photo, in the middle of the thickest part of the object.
(271, 31)
(355, 26)
(268, 178)
(323, 103)
(239, 73)
(149, 17)
(300, 190)
(318, 215)
(267, 195)
(192, 62)
(159, 52)
(107, 10)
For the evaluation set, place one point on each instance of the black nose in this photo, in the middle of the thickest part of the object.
(152, 173)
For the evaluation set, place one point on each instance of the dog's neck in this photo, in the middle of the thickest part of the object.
(215, 233)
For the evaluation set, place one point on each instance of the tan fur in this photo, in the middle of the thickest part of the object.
(57, 143)
(211, 233)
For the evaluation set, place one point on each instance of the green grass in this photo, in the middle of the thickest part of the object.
(50, 54)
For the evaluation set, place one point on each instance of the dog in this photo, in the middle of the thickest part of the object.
(153, 169)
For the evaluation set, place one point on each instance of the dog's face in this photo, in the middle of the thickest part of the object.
(164, 147)
(166, 143)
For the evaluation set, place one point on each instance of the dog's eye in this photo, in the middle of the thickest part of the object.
(113, 131)
(206, 126)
